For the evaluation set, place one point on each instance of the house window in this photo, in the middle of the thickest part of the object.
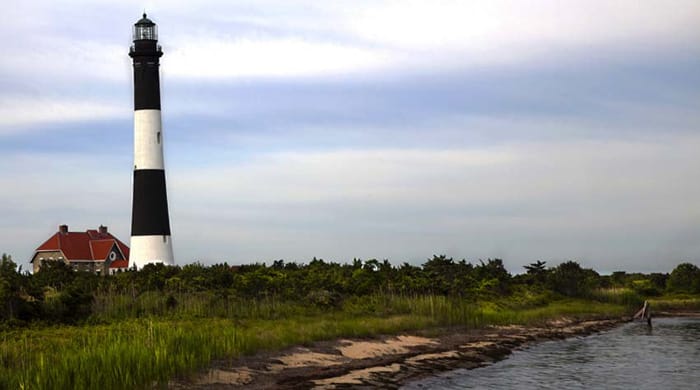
(158, 137)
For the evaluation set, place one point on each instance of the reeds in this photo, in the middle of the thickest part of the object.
(618, 295)
(142, 343)
(677, 303)
(125, 355)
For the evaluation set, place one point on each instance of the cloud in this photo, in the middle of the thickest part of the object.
(501, 29)
(288, 57)
(438, 110)
(65, 59)
(628, 203)
(17, 114)
(409, 36)
(215, 39)
(592, 201)
(45, 188)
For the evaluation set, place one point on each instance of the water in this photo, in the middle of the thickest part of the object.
(628, 357)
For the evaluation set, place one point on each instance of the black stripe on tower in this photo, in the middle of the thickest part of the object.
(150, 204)
(146, 55)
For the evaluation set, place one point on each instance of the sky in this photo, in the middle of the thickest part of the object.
(520, 130)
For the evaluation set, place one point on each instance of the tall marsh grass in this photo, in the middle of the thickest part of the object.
(174, 339)
(620, 295)
(123, 355)
(678, 303)
(108, 308)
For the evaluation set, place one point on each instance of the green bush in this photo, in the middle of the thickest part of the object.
(684, 278)
(571, 280)
(645, 287)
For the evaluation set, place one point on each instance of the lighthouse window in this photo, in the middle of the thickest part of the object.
(158, 136)
(145, 32)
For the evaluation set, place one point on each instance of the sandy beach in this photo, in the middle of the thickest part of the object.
(384, 361)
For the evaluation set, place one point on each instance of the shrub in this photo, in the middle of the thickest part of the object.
(571, 280)
(685, 278)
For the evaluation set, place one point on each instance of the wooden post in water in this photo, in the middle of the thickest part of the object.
(644, 313)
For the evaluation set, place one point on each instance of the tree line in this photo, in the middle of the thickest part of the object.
(58, 294)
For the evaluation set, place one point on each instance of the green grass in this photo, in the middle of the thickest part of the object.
(676, 303)
(619, 295)
(143, 352)
(108, 308)
(122, 355)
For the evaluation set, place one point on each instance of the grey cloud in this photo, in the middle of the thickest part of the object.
(596, 202)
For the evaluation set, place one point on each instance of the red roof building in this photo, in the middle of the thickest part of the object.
(95, 251)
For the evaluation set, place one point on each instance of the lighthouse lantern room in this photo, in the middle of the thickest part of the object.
(145, 29)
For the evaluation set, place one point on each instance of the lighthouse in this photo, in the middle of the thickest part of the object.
(150, 223)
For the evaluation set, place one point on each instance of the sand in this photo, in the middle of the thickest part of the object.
(239, 376)
(391, 346)
(384, 361)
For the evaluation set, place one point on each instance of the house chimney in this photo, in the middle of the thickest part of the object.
(63, 229)
(103, 229)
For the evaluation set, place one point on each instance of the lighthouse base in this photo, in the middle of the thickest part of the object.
(151, 249)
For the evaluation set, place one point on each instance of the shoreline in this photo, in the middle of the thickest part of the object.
(387, 361)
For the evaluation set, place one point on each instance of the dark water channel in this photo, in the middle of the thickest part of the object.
(628, 357)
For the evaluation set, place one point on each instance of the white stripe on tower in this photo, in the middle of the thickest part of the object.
(151, 250)
(150, 222)
(148, 142)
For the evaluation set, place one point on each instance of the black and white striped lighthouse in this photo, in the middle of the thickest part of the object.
(150, 223)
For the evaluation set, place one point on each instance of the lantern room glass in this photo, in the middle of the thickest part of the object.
(145, 33)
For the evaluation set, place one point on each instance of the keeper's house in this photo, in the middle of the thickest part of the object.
(95, 251)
